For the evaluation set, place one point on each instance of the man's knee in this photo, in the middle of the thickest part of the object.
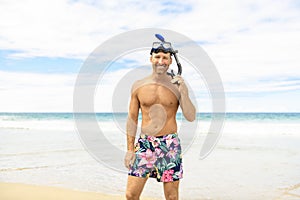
(171, 197)
(130, 195)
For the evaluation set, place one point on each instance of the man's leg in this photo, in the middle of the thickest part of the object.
(135, 187)
(171, 190)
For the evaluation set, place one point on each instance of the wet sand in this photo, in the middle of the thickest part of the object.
(18, 191)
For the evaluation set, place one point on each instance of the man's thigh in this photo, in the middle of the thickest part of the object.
(135, 185)
(171, 189)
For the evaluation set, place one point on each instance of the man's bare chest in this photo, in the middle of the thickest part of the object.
(157, 94)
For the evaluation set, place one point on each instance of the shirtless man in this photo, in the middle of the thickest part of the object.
(158, 152)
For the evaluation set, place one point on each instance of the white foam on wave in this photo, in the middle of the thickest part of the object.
(38, 124)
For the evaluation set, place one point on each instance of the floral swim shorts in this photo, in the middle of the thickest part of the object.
(158, 157)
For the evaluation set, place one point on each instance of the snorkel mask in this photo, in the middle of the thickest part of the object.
(166, 47)
(161, 46)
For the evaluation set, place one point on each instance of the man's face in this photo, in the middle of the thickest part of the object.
(160, 62)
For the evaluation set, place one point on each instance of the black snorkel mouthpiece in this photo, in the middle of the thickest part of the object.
(166, 47)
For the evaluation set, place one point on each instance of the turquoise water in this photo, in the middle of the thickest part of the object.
(256, 117)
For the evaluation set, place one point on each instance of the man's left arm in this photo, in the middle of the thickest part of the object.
(188, 109)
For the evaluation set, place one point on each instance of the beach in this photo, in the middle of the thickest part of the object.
(257, 157)
(14, 191)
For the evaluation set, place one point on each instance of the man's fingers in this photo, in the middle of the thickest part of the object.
(177, 79)
(129, 159)
(173, 80)
(127, 163)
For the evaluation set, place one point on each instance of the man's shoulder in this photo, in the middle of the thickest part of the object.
(139, 83)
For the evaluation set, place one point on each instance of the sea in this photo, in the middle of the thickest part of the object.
(252, 155)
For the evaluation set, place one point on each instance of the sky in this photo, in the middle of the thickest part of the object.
(254, 45)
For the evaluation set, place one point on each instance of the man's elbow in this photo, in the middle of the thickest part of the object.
(191, 119)
(190, 116)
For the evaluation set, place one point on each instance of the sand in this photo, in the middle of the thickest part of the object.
(18, 191)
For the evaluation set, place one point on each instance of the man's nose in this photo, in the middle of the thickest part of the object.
(160, 61)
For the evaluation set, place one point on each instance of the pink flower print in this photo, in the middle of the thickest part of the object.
(155, 141)
(148, 158)
(140, 171)
(175, 141)
(167, 175)
(159, 152)
(150, 138)
(169, 140)
(172, 152)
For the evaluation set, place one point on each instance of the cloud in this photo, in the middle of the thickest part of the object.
(70, 28)
(249, 42)
(27, 92)
(236, 34)
(270, 86)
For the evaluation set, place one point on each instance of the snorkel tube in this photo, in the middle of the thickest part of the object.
(173, 52)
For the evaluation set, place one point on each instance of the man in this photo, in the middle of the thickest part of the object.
(157, 152)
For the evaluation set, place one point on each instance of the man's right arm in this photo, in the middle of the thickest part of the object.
(131, 128)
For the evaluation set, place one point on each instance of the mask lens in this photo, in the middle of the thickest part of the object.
(155, 45)
(167, 45)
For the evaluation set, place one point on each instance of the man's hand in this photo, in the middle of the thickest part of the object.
(181, 85)
(187, 107)
(129, 159)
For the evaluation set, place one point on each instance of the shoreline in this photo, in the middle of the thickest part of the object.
(21, 191)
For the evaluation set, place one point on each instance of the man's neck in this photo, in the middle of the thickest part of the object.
(159, 77)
